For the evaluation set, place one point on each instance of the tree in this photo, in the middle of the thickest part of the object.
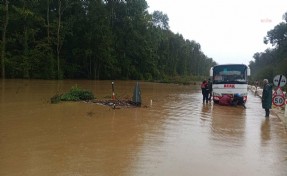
(277, 36)
(4, 31)
(160, 20)
(59, 41)
(23, 32)
(94, 39)
(266, 62)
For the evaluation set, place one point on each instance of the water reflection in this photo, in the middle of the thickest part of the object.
(265, 130)
(228, 123)
(206, 110)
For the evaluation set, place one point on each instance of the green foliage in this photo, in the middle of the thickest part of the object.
(272, 61)
(77, 94)
(96, 39)
(160, 20)
(74, 94)
(185, 80)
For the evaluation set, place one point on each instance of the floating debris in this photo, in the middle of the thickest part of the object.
(115, 104)
(77, 94)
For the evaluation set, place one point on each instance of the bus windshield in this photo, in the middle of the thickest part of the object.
(230, 74)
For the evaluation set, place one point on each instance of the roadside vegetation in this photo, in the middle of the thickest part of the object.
(272, 61)
(94, 39)
(185, 80)
(111, 40)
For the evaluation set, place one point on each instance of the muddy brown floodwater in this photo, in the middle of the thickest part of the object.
(176, 135)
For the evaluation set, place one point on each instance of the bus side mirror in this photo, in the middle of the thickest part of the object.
(248, 71)
(211, 72)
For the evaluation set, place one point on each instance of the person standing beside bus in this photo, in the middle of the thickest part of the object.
(210, 89)
(267, 97)
(205, 91)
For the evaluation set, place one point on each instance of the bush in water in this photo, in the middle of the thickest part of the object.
(75, 94)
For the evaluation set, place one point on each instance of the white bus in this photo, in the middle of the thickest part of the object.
(229, 79)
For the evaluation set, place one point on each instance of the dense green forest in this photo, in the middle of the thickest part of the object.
(273, 60)
(94, 39)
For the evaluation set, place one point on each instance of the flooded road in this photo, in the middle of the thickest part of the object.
(176, 135)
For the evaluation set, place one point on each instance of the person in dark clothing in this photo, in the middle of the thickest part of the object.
(205, 91)
(210, 89)
(267, 97)
(238, 100)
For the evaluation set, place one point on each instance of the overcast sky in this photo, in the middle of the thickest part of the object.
(229, 31)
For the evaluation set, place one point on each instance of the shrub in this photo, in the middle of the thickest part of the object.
(76, 94)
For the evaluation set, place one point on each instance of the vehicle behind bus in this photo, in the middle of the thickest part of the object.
(229, 79)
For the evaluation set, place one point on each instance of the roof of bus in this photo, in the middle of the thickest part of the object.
(229, 65)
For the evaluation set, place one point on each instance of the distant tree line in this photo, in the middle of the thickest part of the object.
(93, 39)
(272, 61)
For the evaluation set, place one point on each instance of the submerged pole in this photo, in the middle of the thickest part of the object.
(137, 95)
(285, 113)
(113, 92)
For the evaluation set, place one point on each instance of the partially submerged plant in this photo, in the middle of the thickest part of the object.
(75, 94)
(56, 99)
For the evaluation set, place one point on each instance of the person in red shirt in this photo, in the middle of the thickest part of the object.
(225, 100)
(205, 91)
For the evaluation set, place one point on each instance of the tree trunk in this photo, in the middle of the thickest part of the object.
(58, 38)
(3, 46)
(26, 65)
(90, 67)
(96, 68)
(48, 21)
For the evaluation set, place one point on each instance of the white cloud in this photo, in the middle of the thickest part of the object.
(228, 31)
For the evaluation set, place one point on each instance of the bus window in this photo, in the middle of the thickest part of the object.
(218, 78)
